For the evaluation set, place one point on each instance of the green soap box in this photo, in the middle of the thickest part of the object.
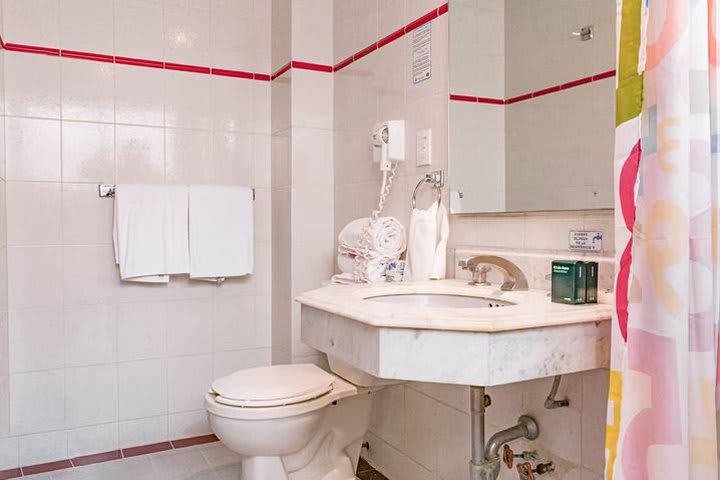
(569, 282)
(591, 282)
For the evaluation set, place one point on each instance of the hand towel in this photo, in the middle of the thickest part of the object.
(388, 237)
(422, 243)
(150, 232)
(221, 232)
(439, 265)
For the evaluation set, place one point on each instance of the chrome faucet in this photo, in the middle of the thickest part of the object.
(481, 265)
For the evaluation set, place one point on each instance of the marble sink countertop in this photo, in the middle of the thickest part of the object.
(532, 308)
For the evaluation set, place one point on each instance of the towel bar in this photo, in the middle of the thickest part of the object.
(108, 190)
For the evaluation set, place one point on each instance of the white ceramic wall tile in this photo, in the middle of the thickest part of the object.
(225, 363)
(142, 331)
(140, 154)
(88, 152)
(86, 218)
(87, 25)
(37, 402)
(34, 336)
(88, 90)
(139, 95)
(187, 31)
(27, 158)
(312, 26)
(312, 99)
(32, 85)
(232, 104)
(91, 395)
(235, 326)
(232, 42)
(42, 448)
(93, 439)
(142, 389)
(388, 422)
(91, 335)
(139, 28)
(187, 100)
(189, 379)
(232, 154)
(89, 275)
(8, 453)
(188, 157)
(188, 424)
(34, 274)
(189, 327)
(143, 431)
(33, 213)
(32, 22)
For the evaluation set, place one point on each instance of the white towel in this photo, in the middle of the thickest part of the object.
(439, 266)
(150, 232)
(427, 244)
(346, 263)
(221, 232)
(388, 237)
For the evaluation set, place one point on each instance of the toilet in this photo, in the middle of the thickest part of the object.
(292, 422)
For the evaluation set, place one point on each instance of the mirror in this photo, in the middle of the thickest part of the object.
(532, 105)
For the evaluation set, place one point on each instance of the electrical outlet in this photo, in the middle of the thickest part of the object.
(424, 148)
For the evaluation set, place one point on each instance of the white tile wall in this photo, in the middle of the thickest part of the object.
(302, 168)
(93, 364)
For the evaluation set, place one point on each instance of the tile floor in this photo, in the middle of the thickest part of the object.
(211, 461)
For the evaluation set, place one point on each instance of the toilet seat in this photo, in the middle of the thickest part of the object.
(290, 405)
(272, 386)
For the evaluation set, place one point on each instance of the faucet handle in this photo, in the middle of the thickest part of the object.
(463, 264)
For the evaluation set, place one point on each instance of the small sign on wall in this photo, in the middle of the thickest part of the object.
(586, 241)
(422, 53)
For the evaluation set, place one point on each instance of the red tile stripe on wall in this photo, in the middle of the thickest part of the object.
(296, 64)
(531, 95)
(396, 35)
(105, 457)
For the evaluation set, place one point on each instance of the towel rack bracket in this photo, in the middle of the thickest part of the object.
(106, 190)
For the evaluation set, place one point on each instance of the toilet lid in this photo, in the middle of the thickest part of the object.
(273, 386)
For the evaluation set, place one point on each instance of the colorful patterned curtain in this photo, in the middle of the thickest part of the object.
(662, 408)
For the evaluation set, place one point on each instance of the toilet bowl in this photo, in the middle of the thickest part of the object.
(290, 422)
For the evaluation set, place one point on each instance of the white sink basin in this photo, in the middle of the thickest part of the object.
(436, 300)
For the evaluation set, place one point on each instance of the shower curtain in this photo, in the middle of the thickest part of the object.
(662, 406)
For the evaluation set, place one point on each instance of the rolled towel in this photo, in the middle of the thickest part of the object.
(375, 267)
(388, 237)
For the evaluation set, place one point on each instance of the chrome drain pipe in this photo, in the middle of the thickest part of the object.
(478, 402)
(526, 427)
(485, 461)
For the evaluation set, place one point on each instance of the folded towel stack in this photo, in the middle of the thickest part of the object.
(162, 230)
(387, 242)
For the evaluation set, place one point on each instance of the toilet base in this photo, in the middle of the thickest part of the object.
(263, 468)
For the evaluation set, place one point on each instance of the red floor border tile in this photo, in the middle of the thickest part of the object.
(191, 442)
(46, 467)
(96, 458)
(146, 449)
(12, 473)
